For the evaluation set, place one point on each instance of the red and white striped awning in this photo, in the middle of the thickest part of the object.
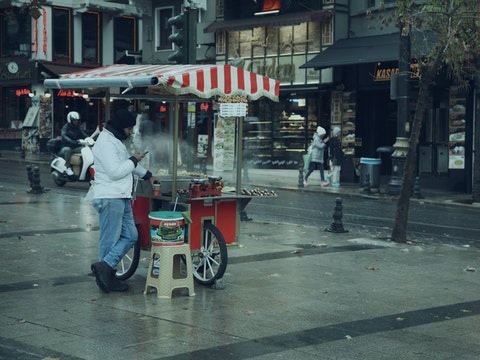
(204, 81)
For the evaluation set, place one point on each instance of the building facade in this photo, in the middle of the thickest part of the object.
(335, 62)
(333, 59)
(58, 38)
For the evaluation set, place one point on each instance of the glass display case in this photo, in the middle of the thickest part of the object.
(276, 136)
(343, 116)
(456, 134)
(257, 142)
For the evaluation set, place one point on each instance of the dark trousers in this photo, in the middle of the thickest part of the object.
(313, 166)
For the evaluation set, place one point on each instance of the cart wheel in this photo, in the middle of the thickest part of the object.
(210, 262)
(129, 263)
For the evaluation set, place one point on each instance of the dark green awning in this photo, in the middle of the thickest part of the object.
(360, 50)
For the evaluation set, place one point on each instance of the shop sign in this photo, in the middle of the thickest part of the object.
(20, 75)
(270, 68)
(383, 72)
(21, 92)
(204, 106)
(69, 93)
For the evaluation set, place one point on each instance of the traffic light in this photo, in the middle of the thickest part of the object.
(180, 38)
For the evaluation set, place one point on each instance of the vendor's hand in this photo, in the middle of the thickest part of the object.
(154, 180)
(138, 155)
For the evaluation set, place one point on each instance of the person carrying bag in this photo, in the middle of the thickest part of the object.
(316, 154)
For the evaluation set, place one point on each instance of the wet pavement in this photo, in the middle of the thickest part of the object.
(291, 291)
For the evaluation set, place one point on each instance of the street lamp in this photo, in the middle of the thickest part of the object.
(403, 113)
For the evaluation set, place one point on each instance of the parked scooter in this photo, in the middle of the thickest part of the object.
(82, 164)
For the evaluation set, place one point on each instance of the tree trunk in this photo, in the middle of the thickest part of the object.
(399, 232)
(476, 143)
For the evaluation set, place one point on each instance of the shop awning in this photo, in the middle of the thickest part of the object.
(204, 81)
(361, 50)
(272, 20)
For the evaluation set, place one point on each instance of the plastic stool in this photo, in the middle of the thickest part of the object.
(170, 274)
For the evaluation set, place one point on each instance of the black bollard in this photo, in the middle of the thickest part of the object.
(366, 184)
(30, 175)
(337, 225)
(416, 189)
(34, 178)
(300, 177)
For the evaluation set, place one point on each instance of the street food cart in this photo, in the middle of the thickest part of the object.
(212, 214)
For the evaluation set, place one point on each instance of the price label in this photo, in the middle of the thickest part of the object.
(233, 109)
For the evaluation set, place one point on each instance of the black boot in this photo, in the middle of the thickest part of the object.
(116, 284)
(103, 275)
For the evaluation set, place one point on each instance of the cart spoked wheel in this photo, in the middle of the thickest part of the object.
(210, 262)
(129, 263)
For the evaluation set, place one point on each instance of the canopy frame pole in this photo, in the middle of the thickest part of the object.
(175, 148)
(239, 155)
(107, 105)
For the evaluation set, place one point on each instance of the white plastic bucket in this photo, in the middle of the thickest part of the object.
(167, 228)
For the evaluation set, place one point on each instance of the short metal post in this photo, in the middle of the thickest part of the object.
(416, 189)
(337, 225)
(34, 178)
(300, 177)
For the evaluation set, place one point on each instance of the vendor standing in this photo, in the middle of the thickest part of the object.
(113, 191)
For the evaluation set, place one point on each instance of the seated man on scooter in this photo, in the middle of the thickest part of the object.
(72, 135)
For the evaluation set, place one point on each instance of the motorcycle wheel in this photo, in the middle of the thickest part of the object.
(57, 178)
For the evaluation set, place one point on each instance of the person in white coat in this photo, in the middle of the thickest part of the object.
(112, 194)
(319, 144)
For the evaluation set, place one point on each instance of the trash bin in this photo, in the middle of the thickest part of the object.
(370, 166)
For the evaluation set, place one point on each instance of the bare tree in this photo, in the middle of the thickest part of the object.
(450, 29)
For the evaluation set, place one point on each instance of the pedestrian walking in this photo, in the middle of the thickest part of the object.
(113, 191)
(335, 156)
(318, 146)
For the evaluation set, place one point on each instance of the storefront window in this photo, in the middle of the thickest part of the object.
(233, 41)
(313, 38)
(258, 42)
(277, 134)
(61, 34)
(163, 30)
(272, 41)
(245, 45)
(313, 75)
(300, 39)
(286, 72)
(286, 39)
(16, 103)
(327, 32)
(91, 26)
(299, 73)
(126, 31)
(16, 33)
